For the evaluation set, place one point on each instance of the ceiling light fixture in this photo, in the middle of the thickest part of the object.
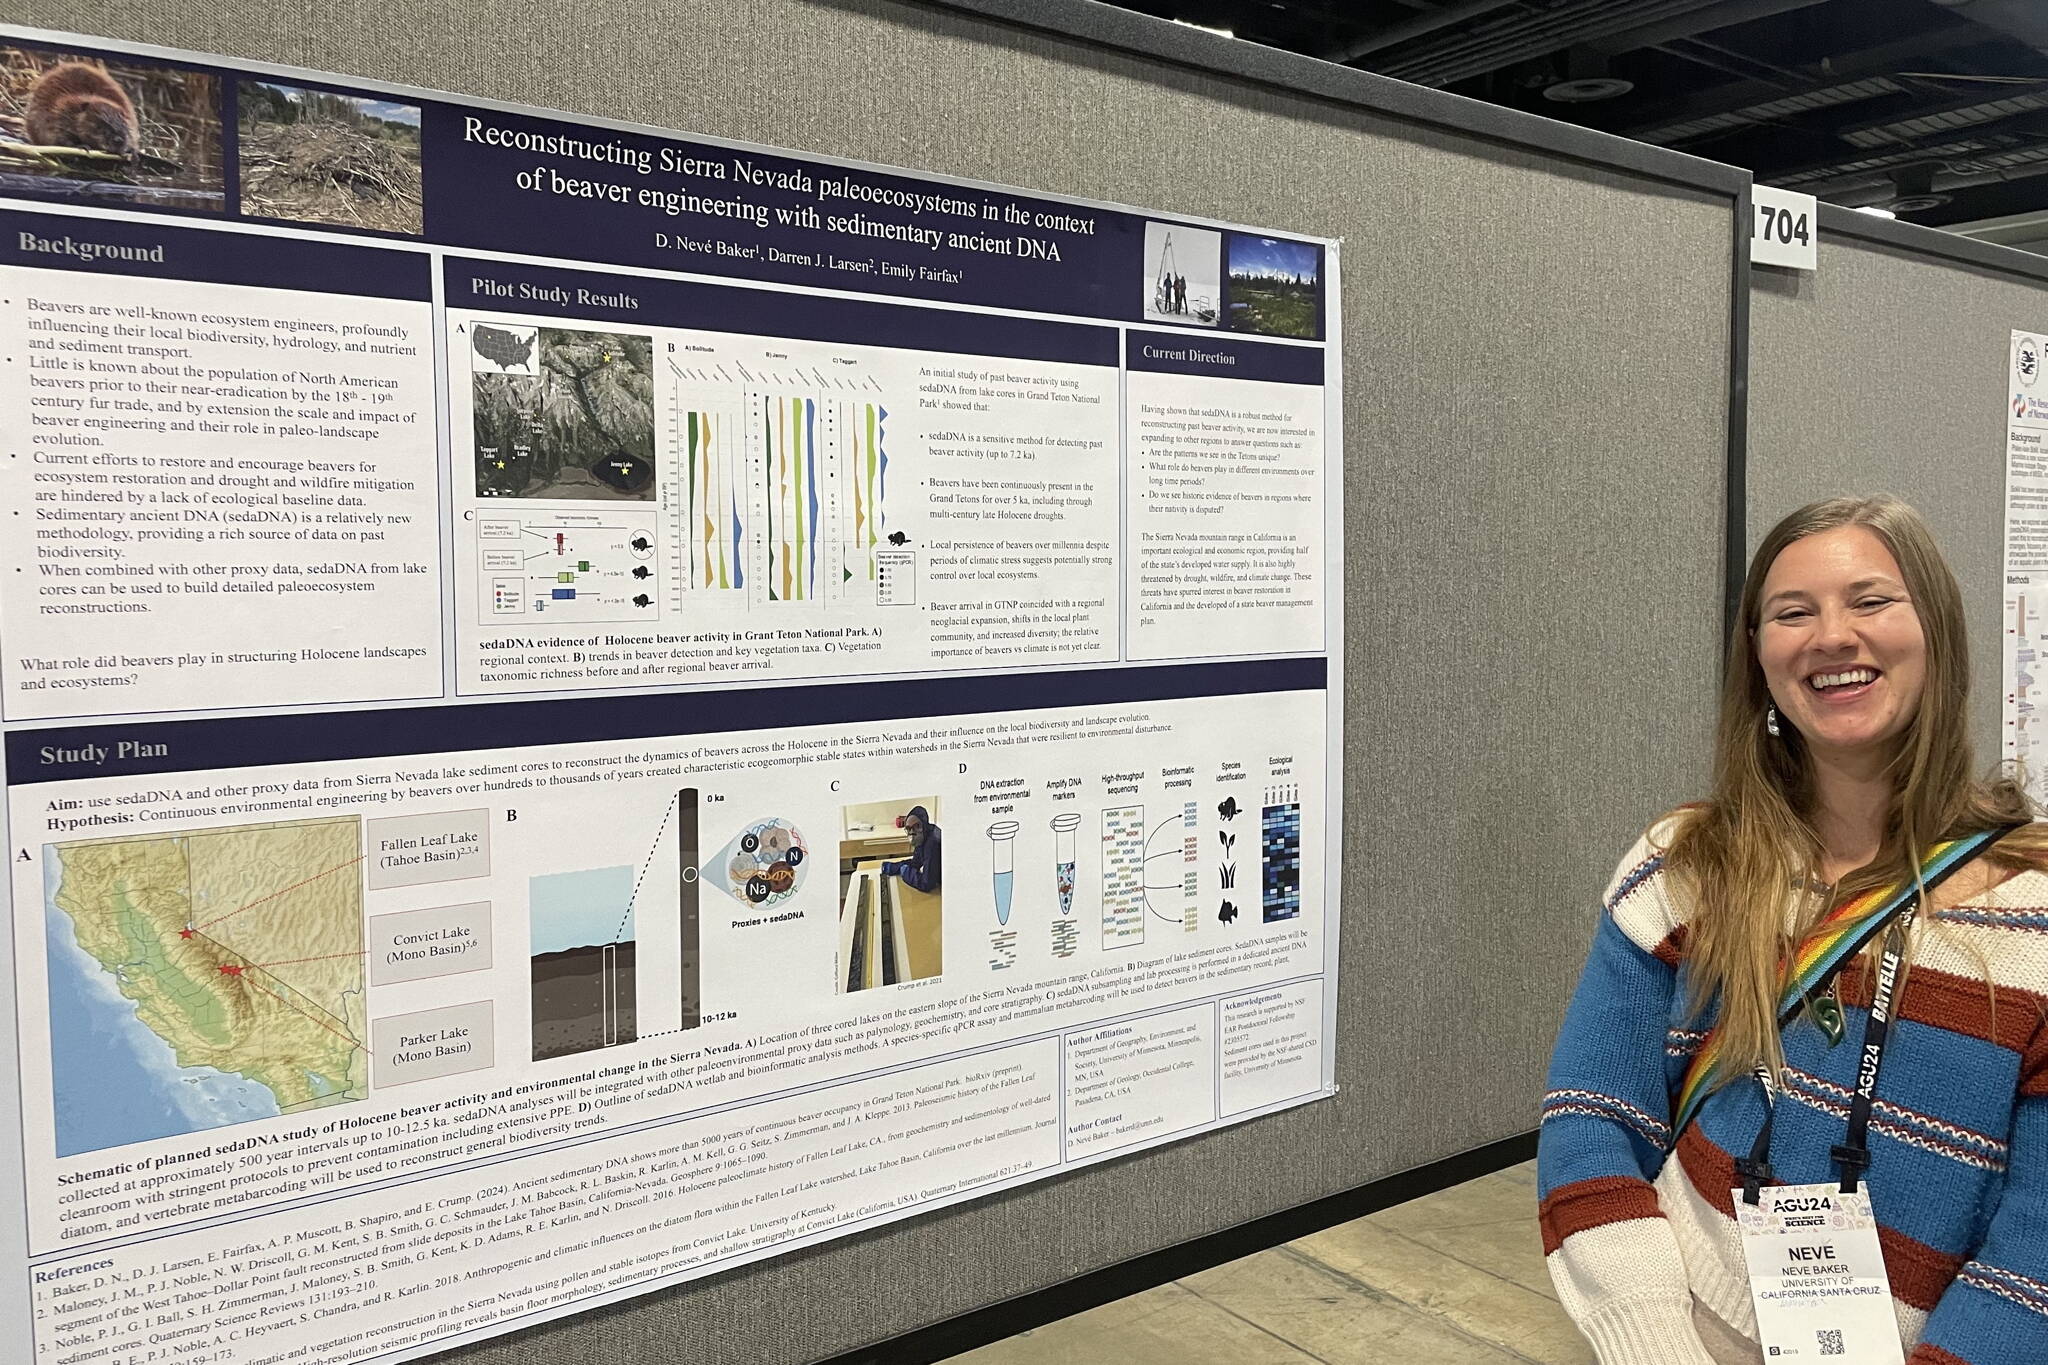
(1587, 90)
(1916, 188)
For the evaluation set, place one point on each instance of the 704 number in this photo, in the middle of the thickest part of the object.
(1780, 225)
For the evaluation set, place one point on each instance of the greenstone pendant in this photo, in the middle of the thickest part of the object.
(1827, 1012)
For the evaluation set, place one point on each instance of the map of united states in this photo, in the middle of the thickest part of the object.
(241, 948)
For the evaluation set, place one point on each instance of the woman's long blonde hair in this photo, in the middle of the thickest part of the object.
(1742, 857)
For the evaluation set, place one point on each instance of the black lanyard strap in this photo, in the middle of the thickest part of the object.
(1755, 1169)
(1853, 1156)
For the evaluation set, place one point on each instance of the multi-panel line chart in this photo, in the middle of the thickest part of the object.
(787, 490)
(820, 491)
(778, 497)
(862, 529)
(713, 556)
(569, 566)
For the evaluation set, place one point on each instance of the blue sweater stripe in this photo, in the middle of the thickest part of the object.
(1612, 1048)
(1997, 1311)
(1959, 1156)
(1933, 1157)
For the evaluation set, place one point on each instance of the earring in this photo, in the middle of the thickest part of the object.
(1771, 720)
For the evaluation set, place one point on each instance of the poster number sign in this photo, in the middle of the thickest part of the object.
(1783, 229)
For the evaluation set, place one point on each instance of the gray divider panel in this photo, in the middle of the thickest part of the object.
(1535, 426)
(1884, 372)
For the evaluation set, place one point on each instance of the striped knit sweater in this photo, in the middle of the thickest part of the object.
(1958, 1139)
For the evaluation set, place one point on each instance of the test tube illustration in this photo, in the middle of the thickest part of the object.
(1002, 836)
(1063, 827)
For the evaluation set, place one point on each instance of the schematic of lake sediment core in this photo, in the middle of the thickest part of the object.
(585, 959)
(573, 567)
(779, 498)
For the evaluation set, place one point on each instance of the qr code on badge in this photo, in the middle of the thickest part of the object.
(1831, 1343)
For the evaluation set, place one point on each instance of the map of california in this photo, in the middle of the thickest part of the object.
(241, 948)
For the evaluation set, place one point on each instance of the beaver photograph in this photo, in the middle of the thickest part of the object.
(73, 104)
(74, 126)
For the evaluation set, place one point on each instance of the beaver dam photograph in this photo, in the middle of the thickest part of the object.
(312, 156)
(107, 129)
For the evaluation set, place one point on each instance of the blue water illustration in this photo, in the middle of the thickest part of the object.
(581, 909)
(1003, 880)
(113, 1081)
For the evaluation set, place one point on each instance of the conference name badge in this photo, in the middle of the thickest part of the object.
(1816, 1276)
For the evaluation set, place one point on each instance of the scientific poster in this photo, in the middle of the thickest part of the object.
(2026, 562)
(583, 705)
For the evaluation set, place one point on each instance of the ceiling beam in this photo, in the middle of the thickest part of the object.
(1518, 38)
(1735, 96)
(1725, 15)
(1960, 151)
(2026, 20)
(1611, 26)
(1949, 119)
(1421, 26)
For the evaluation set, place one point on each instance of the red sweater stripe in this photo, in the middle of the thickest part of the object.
(1594, 1203)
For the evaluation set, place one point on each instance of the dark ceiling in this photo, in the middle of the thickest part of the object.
(1936, 109)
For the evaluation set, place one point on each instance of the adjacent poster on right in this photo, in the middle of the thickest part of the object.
(2026, 559)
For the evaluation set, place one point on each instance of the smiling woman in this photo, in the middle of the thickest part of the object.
(1841, 646)
(1847, 840)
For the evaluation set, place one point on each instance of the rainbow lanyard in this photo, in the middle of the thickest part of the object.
(1841, 934)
